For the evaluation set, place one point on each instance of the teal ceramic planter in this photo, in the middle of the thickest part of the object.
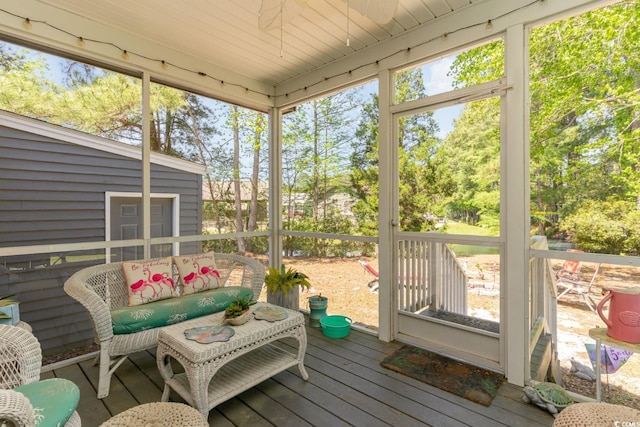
(318, 309)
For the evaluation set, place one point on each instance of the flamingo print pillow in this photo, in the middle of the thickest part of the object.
(149, 280)
(197, 272)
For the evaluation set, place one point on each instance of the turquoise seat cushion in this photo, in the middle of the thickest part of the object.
(127, 320)
(54, 400)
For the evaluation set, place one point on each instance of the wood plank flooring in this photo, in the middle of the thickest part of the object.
(347, 386)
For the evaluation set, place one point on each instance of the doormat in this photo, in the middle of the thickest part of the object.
(468, 381)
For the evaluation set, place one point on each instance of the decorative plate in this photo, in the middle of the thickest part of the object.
(209, 334)
(270, 313)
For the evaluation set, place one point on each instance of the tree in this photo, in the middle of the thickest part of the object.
(258, 123)
(611, 227)
(25, 87)
(423, 177)
(472, 153)
(316, 146)
(473, 147)
(585, 118)
(237, 189)
(585, 114)
(364, 169)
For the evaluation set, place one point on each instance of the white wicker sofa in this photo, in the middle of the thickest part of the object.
(102, 289)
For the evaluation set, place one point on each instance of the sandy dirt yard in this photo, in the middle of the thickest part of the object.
(344, 282)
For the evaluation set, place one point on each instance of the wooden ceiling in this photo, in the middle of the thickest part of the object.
(226, 32)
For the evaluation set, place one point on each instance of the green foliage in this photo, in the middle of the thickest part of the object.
(584, 129)
(316, 174)
(285, 280)
(331, 221)
(584, 113)
(25, 88)
(482, 64)
(238, 307)
(424, 175)
(611, 227)
(472, 155)
(221, 245)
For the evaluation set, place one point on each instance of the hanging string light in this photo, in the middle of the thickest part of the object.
(348, 21)
(489, 26)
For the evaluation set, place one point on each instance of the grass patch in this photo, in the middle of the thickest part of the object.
(469, 250)
(454, 227)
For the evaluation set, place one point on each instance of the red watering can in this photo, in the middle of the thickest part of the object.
(623, 322)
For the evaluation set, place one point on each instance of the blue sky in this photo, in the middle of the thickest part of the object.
(437, 80)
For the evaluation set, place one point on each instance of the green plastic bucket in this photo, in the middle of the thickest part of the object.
(336, 326)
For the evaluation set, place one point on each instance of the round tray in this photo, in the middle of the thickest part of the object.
(209, 334)
(271, 314)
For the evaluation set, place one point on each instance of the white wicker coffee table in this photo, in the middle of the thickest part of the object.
(218, 371)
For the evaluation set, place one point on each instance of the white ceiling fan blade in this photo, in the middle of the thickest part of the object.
(269, 14)
(379, 11)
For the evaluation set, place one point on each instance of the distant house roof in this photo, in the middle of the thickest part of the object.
(38, 127)
(225, 190)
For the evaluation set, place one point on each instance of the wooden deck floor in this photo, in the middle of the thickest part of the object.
(347, 386)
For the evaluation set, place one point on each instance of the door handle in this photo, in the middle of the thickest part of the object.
(394, 223)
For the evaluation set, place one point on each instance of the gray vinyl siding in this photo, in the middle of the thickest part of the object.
(53, 192)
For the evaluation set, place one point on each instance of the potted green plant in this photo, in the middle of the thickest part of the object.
(283, 285)
(238, 311)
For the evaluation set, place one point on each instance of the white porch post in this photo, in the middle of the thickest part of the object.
(146, 163)
(275, 187)
(291, 300)
(387, 327)
(515, 215)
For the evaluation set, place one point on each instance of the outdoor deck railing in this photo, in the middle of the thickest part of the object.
(542, 301)
(430, 276)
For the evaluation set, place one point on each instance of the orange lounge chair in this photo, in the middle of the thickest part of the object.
(570, 280)
(373, 284)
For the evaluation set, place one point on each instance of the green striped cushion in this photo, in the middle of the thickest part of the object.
(127, 320)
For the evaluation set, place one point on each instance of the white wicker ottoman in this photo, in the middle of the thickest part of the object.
(158, 414)
(592, 414)
(218, 371)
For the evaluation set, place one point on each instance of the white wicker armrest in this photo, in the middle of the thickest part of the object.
(253, 270)
(84, 285)
(20, 357)
(16, 409)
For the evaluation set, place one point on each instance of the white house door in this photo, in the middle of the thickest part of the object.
(126, 223)
(432, 282)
